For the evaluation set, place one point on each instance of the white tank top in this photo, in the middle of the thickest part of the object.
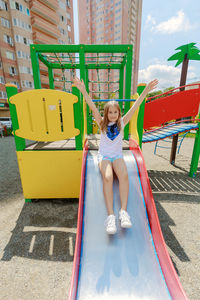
(111, 141)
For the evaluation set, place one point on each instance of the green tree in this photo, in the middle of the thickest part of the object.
(159, 92)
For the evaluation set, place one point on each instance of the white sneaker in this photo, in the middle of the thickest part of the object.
(110, 224)
(125, 219)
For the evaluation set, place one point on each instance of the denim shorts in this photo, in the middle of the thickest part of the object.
(111, 159)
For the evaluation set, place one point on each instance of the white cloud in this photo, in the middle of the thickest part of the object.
(178, 23)
(167, 75)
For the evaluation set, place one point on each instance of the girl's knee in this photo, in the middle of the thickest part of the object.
(108, 177)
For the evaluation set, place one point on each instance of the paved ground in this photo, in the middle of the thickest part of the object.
(37, 239)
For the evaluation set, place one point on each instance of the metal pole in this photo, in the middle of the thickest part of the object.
(51, 80)
(128, 86)
(35, 67)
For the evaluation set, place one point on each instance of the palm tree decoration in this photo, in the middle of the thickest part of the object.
(187, 52)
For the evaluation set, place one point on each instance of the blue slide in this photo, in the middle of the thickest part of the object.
(123, 266)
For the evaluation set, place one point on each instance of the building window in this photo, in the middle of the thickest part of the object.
(61, 5)
(12, 71)
(117, 3)
(118, 10)
(68, 16)
(5, 22)
(10, 55)
(22, 24)
(68, 3)
(3, 95)
(15, 22)
(25, 70)
(7, 39)
(62, 31)
(25, 41)
(16, 83)
(17, 38)
(69, 28)
(27, 84)
(61, 42)
(3, 5)
(17, 5)
(2, 80)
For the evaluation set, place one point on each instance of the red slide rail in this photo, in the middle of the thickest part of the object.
(76, 263)
(171, 277)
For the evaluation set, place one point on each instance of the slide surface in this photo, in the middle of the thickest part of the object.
(123, 266)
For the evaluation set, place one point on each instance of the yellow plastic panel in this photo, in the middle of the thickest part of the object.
(85, 120)
(133, 122)
(95, 128)
(50, 174)
(45, 115)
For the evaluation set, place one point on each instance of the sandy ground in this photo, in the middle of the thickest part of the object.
(37, 239)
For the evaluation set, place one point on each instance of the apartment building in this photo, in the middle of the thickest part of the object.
(22, 23)
(111, 22)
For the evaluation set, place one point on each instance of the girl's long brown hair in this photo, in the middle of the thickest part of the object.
(105, 121)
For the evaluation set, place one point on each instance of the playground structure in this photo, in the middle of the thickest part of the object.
(175, 111)
(54, 166)
(43, 115)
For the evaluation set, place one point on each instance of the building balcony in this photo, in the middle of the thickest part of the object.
(44, 12)
(40, 38)
(52, 4)
(45, 27)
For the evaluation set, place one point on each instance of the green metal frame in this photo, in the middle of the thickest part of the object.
(195, 154)
(43, 53)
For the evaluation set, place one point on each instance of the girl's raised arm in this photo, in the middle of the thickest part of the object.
(81, 86)
(150, 86)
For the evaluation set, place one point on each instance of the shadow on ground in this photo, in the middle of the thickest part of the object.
(173, 182)
(173, 187)
(45, 230)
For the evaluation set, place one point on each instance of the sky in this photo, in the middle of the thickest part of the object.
(166, 25)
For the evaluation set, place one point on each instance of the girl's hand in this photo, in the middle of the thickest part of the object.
(151, 85)
(79, 84)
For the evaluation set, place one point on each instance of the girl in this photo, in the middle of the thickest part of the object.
(110, 155)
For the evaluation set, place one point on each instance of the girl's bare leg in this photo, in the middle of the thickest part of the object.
(106, 170)
(120, 169)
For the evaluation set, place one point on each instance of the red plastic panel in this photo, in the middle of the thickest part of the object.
(179, 105)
